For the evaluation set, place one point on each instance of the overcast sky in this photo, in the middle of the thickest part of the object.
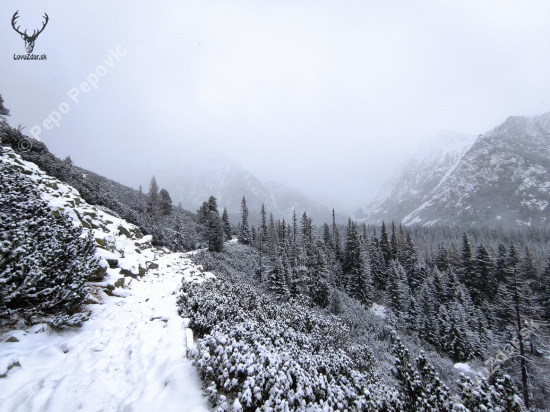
(328, 96)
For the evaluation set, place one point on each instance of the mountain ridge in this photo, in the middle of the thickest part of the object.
(503, 180)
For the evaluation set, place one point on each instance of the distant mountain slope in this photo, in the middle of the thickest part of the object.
(420, 176)
(225, 179)
(502, 180)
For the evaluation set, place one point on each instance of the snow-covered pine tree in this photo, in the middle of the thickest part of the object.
(385, 244)
(227, 229)
(504, 394)
(154, 201)
(421, 388)
(441, 260)
(498, 394)
(356, 268)
(278, 275)
(271, 237)
(377, 264)
(544, 291)
(428, 313)
(482, 276)
(501, 265)
(409, 260)
(3, 110)
(327, 237)
(436, 396)
(456, 337)
(517, 304)
(244, 230)
(319, 290)
(336, 240)
(211, 225)
(165, 202)
(466, 263)
(398, 289)
(253, 235)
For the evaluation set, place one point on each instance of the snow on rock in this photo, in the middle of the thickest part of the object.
(118, 241)
(130, 356)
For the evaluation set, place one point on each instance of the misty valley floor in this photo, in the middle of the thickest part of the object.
(130, 356)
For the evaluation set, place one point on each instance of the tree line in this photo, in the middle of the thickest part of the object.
(466, 301)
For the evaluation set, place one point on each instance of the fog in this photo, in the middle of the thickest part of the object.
(328, 97)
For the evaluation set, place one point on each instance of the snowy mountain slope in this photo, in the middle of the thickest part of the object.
(424, 173)
(504, 179)
(130, 354)
(225, 179)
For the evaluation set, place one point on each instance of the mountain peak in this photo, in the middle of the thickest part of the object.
(503, 179)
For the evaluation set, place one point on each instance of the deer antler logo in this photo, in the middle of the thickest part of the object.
(29, 40)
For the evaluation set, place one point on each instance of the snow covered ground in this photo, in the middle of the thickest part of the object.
(129, 357)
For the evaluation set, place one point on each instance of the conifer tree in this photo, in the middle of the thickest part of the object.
(385, 244)
(516, 305)
(165, 202)
(336, 245)
(544, 291)
(429, 314)
(244, 231)
(378, 265)
(271, 236)
(409, 260)
(319, 290)
(441, 259)
(3, 110)
(482, 276)
(263, 224)
(513, 257)
(327, 237)
(278, 274)
(212, 228)
(227, 229)
(456, 335)
(398, 290)
(466, 263)
(505, 394)
(501, 265)
(421, 388)
(394, 248)
(154, 202)
(527, 268)
(183, 237)
(356, 267)
(262, 243)
(253, 235)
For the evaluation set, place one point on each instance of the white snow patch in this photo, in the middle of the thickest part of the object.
(463, 367)
(378, 310)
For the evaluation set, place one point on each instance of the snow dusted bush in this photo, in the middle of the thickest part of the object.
(43, 258)
(254, 352)
(237, 262)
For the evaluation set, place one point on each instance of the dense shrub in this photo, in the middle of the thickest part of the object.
(237, 262)
(254, 352)
(44, 259)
